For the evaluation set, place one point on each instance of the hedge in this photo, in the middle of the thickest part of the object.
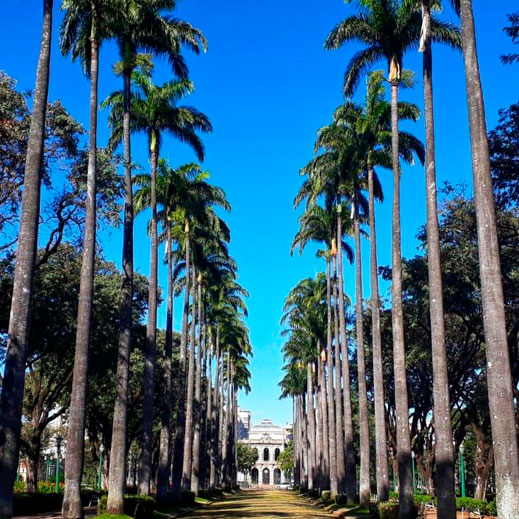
(341, 499)
(27, 504)
(138, 507)
(326, 496)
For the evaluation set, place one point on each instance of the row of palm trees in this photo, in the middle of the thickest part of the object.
(360, 139)
(182, 205)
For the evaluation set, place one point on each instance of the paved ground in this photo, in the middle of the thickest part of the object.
(251, 504)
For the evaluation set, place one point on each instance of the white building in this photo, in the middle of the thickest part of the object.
(269, 440)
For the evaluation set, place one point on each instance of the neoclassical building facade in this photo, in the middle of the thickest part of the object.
(269, 440)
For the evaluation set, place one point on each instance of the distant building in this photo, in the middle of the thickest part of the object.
(244, 424)
(270, 441)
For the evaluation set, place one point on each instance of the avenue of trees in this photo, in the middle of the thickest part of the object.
(79, 339)
(382, 386)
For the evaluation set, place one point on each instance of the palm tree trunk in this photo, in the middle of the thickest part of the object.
(178, 448)
(311, 426)
(382, 468)
(72, 508)
(397, 317)
(221, 424)
(144, 475)
(339, 415)
(349, 448)
(14, 370)
(214, 424)
(325, 437)
(197, 414)
(444, 452)
(188, 439)
(117, 470)
(165, 431)
(499, 379)
(332, 444)
(365, 487)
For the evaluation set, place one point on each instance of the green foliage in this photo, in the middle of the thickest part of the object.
(423, 498)
(138, 506)
(286, 459)
(111, 516)
(27, 504)
(471, 505)
(247, 457)
(187, 497)
(341, 499)
(326, 496)
(313, 493)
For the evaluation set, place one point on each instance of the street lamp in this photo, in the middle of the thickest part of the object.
(462, 469)
(100, 470)
(59, 439)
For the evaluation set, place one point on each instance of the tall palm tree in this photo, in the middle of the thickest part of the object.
(369, 129)
(499, 379)
(444, 451)
(169, 191)
(154, 111)
(85, 25)
(389, 28)
(140, 26)
(14, 370)
(319, 224)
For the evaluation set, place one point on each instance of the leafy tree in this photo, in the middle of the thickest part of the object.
(513, 31)
(286, 460)
(504, 157)
(247, 458)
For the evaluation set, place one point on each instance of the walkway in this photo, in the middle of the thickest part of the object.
(264, 504)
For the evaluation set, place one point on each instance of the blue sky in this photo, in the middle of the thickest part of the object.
(267, 84)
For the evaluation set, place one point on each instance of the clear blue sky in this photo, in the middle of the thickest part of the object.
(268, 85)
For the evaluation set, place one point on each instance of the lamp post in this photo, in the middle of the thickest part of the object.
(59, 439)
(462, 469)
(414, 472)
(100, 470)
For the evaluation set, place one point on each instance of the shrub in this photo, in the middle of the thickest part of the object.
(187, 497)
(19, 487)
(49, 487)
(110, 516)
(341, 499)
(393, 496)
(423, 498)
(326, 496)
(470, 504)
(492, 508)
(27, 504)
(388, 510)
(138, 507)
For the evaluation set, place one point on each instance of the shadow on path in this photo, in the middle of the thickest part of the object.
(252, 504)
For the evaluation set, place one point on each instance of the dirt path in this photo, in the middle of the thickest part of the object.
(272, 504)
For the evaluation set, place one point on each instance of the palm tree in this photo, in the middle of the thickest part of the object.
(499, 379)
(444, 452)
(389, 28)
(369, 128)
(154, 111)
(140, 25)
(14, 370)
(84, 27)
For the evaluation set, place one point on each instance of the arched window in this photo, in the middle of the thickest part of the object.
(277, 452)
(277, 477)
(266, 477)
(265, 454)
(254, 475)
